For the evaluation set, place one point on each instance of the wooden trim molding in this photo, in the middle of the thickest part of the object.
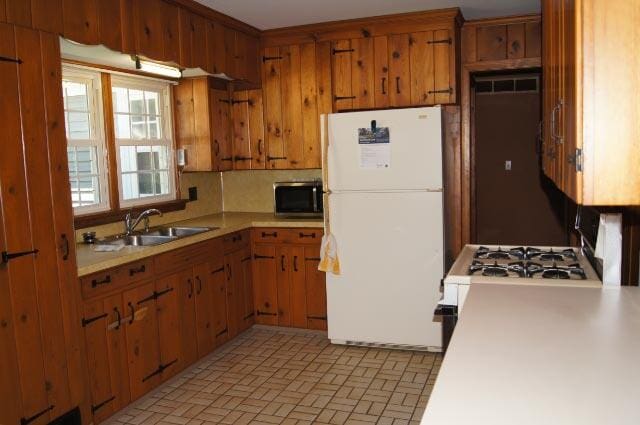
(113, 216)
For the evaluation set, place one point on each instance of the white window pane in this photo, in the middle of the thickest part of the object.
(154, 128)
(161, 159)
(71, 158)
(152, 102)
(122, 124)
(78, 126)
(75, 95)
(128, 159)
(130, 186)
(138, 127)
(136, 102)
(145, 184)
(120, 99)
(162, 182)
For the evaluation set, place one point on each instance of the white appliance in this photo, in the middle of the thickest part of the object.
(384, 208)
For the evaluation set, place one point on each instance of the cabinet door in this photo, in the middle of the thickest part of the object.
(141, 332)
(316, 289)
(220, 108)
(216, 54)
(170, 32)
(256, 129)
(149, 33)
(298, 291)
(205, 314)
(104, 333)
(242, 157)
(381, 72)
(341, 75)
(571, 181)
(271, 86)
(291, 106)
(193, 40)
(399, 70)
(362, 73)
(188, 332)
(310, 116)
(247, 315)
(218, 281)
(265, 286)
(80, 21)
(232, 271)
(283, 277)
(169, 330)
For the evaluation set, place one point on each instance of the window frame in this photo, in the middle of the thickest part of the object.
(110, 153)
(167, 139)
(93, 80)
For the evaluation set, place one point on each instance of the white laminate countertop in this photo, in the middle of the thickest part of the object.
(90, 261)
(541, 356)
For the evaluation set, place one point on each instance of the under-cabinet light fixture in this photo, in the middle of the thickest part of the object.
(158, 69)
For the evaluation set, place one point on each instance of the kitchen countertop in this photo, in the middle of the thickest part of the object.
(541, 355)
(90, 261)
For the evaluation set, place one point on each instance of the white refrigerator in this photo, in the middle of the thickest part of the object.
(385, 209)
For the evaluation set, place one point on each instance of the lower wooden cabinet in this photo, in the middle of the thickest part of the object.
(288, 288)
(240, 314)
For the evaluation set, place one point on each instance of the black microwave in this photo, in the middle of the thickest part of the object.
(297, 199)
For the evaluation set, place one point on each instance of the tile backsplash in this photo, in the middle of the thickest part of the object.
(252, 191)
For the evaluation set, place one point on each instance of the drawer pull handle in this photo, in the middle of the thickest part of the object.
(265, 313)
(199, 290)
(265, 257)
(384, 85)
(312, 259)
(295, 263)
(307, 235)
(190, 282)
(133, 313)
(443, 41)
(270, 235)
(105, 281)
(317, 317)
(282, 262)
(447, 91)
(118, 317)
(398, 85)
(135, 271)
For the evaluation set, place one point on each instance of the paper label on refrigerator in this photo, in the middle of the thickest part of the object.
(375, 147)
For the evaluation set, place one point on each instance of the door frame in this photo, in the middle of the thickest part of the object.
(467, 132)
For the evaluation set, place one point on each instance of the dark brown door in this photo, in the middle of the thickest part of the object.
(515, 203)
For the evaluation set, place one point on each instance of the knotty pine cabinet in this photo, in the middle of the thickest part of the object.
(288, 288)
(590, 127)
(398, 70)
(220, 130)
(291, 111)
(239, 281)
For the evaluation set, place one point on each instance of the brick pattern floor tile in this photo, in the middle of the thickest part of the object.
(284, 376)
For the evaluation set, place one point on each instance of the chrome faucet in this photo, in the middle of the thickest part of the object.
(130, 224)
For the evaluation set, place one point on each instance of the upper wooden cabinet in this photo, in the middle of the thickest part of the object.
(219, 130)
(193, 40)
(591, 125)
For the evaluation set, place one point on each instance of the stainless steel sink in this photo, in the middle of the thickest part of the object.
(179, 232)
(155, 236)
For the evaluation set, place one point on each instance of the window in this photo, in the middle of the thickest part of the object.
(81, 93)
(140, 138)
(142, 122)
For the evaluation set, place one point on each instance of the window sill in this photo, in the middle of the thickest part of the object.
(113, 216)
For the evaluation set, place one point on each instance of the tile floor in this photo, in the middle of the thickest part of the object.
(281, 376)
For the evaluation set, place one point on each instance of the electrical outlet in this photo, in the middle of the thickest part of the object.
(507, 165)
(193, 193)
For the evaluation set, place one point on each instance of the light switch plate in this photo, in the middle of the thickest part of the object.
(507, 165)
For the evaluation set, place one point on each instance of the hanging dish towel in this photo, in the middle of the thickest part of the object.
(329, 261)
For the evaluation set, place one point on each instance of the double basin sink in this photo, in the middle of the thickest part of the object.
(157, 236)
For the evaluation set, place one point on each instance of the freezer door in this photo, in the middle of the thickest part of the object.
(390, 247)
(415, 145)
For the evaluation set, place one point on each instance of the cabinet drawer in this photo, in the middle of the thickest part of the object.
(234, 241)
(272, 235)
(306, 236)
(102, 282)
(189, 255)
(137, 271)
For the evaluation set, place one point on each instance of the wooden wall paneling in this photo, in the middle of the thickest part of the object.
(252, 54)
(271, 86)
(362, 73)
(34, 135)
(516, 41)
(491, 42)
(216, 54)
(110, 25)
(63, 219)
(241, 139)
(143, 350)
(341, 53)
(310, 118)
(421, 54)
(18, 12)
(399, 70)
(469, 43)
(220, 107)
(444, 76)
(171, 33)
(46, 15)
(17, 278)
(533, 39)
(256, 129)
(323, 77)
(452, 194)
(381, 72)
(128, 26)
(230, 52)
(240, 58)
(292, 106)
(80, 20)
